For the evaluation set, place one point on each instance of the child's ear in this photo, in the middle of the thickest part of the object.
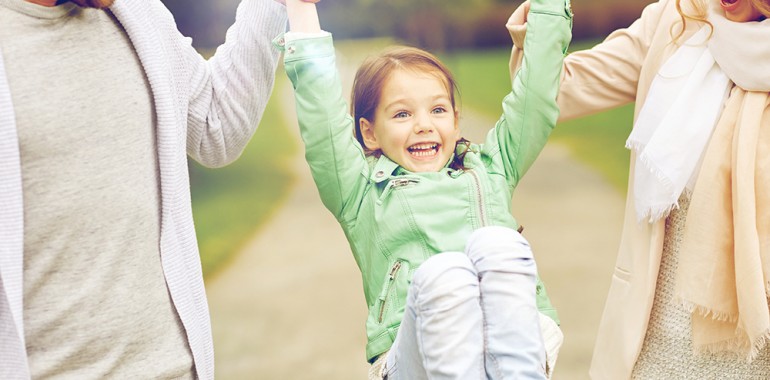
(367, 132)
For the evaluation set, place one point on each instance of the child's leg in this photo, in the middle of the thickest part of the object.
(441, 334)
(507, 277)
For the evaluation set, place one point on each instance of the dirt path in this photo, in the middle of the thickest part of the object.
(291, 306)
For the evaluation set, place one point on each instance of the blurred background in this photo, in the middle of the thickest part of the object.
(286, 297)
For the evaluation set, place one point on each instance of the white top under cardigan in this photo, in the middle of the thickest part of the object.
(207, 109)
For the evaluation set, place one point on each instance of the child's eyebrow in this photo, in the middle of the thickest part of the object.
(405, 101)
(401, 101)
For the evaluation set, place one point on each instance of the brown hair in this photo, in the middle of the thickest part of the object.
(375, 71)
(700, 13)
(93, 3)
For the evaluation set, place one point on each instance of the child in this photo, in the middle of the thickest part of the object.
(451, 286)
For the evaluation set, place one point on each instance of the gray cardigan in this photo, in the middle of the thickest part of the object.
(206, 109)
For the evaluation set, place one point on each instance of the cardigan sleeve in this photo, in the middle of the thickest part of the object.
(228, 93)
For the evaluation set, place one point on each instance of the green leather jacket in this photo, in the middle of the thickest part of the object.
(394, 219)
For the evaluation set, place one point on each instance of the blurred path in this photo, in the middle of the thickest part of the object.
(291, 306)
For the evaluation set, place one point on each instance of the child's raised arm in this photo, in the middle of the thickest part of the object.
(530, 111)
(303, 17)
(336, 160)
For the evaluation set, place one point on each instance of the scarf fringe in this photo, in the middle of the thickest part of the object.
(651, 215)
(656, 212)
(705, 312)
(740, 347)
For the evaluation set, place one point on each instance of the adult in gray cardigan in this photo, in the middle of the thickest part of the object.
(100, 104)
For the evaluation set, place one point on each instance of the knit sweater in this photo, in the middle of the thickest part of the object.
(206, 109)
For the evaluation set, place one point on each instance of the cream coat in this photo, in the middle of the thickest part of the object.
(616, 72)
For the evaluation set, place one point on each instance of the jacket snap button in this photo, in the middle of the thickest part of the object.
(380, 174)
(281, 41)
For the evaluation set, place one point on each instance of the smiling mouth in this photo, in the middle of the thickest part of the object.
(423, 150)
(729, 2)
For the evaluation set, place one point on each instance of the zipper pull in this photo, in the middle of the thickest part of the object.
(394, 184)
(394, 270)
(398, 182)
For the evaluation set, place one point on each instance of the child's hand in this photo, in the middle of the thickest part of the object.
(307, 1)
(519, 16)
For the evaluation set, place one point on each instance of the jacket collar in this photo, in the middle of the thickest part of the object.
(383, 169)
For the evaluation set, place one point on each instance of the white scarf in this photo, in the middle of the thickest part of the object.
(685, 101)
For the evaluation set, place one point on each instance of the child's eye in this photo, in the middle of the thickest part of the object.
(401, 114)
(439, 110)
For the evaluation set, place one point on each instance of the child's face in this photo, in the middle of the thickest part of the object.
(414, 124)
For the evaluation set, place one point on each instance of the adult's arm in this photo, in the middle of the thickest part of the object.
(229, 91)
(605, 76)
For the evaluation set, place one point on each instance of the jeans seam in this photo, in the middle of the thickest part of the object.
(494, 363)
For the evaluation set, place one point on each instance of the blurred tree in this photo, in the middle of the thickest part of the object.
(432, 24)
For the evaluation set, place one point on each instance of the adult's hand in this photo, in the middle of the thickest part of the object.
(519, 16)
(517, 25)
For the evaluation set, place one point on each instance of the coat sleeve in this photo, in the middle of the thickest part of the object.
(607, 75)
(336, 159)
(227, 94)
(530, 111)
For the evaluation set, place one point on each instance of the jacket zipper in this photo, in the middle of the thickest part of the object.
(396, 183)
(391, 278)
(480, 193)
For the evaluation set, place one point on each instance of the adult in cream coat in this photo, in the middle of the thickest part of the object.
(618, 71)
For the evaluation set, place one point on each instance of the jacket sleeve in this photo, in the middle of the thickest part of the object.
(336, 159)
(228, 93)
(607, 75)
(530, 111)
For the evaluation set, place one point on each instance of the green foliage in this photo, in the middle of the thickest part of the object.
(597, 140)
(230, 203)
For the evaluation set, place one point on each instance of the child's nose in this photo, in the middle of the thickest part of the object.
(423, 123)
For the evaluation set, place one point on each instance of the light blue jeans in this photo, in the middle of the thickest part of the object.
(472, 315)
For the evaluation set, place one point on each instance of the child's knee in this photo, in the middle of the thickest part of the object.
(445, 274)
(488, 246)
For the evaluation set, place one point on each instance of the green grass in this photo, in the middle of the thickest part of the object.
(230, 203)
(596, 140)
